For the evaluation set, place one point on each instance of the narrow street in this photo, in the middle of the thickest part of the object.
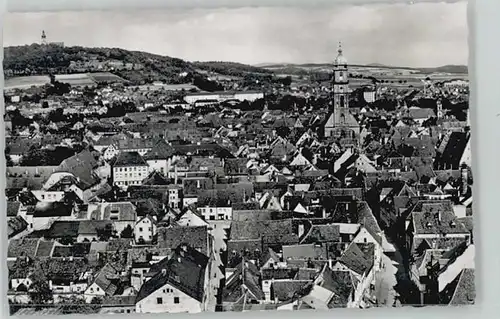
(386, 281)
(218, 233)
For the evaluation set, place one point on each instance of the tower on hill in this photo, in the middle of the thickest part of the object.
(44, 37)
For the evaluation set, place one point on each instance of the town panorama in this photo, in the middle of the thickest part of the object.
(138, 183)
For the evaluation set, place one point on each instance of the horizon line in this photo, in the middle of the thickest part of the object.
(258, 64)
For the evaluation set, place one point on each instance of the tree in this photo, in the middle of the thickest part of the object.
(106, 232)
(283, 131)
(57, 115)
(127, 232)
(67, 240)
(40, 292)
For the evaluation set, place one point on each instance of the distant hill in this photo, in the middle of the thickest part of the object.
(135, 66)
(459, 69)
(300, 68)
(229, 68)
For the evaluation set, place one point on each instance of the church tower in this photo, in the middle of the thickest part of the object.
(340, 82)
(340, 123)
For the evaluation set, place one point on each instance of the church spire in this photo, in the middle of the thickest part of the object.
(340, 60)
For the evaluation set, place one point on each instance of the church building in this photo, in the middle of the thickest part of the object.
(340, 123)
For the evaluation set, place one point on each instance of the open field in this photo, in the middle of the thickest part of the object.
(78, 79)
(105, 77)
(24, 82)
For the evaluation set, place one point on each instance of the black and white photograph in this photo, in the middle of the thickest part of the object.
(189, 160)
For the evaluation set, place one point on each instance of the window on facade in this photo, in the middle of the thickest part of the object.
(364, 239)
(140, 228)
(212, 217)
(176, 299)
(159, 300)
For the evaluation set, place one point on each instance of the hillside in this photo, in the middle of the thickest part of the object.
(134, 66)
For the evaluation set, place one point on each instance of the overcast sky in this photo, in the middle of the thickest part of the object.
(419, 35)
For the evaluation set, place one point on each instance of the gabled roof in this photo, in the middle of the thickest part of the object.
(304, 252)
(161, 150)
(155, 178)
(245, 279)
(184, 271)
(52, 209)
(339, 283)
(89, 227)
(60, 229)
(129, 159)
(463, 288)
(436, 217)
(81, 165)
(12, 208)
(44, 248)
(359, 257)
(16, 225)
(322, 233)
(270, 254)
(124, 211)
(108, 279)
(172, 237)
(270, 231)
(285, 290)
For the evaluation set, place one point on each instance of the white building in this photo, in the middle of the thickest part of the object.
(174, 196)
(215, 210)
(181, 284)
(144, 230)
(223, 96)
(369, 96)
(129, 169)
